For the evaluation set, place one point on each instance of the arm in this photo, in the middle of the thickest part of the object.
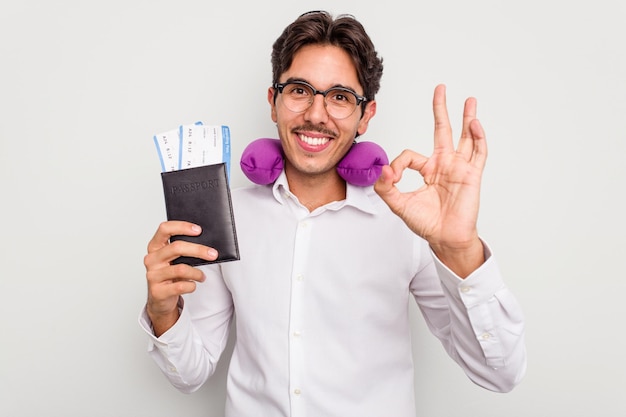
(188, 312)
(477, 320)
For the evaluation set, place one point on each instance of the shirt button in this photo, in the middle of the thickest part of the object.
(297, 391)
(299, 277)
(465, 289)
(297, 333)
(485, 336)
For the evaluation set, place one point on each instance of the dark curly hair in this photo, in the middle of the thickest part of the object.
(344, 31)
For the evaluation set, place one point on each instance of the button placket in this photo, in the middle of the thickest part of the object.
(297, 358)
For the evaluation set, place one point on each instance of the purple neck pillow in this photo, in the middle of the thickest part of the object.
(262, 162)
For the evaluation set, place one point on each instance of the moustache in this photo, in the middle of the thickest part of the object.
(319, 129)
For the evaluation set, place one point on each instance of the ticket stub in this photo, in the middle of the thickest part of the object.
(168, 145)
(194, 145)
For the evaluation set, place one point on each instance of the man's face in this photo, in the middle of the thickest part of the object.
(313, 141)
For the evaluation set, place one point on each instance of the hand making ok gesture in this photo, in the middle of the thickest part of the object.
(444, 211)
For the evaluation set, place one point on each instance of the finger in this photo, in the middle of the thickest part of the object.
(169, 283)
(479, 153)
(443, 130)
(384, 186)
(386, 189)
(407, 159)
(466, 143)
(392, 174)
(166, 254)
(469, 114)
(171, 228)
(173, 273)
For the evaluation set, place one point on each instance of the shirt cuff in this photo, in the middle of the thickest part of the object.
(169, 336)
(479, 286)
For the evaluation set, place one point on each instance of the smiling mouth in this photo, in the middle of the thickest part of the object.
(313, 141)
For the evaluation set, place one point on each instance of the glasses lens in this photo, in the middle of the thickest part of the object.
(297, 97)
(339, 102)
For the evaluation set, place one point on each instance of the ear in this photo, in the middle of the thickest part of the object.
(271, 100)
(368, 113)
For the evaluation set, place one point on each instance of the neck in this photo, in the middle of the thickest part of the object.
(314, 191)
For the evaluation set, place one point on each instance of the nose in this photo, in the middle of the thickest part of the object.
(317, 113)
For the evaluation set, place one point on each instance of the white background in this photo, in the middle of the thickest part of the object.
(85, 84)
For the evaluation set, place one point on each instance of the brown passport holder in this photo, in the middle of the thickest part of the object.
(201, 195)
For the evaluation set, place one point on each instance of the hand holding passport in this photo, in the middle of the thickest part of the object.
(195, 161)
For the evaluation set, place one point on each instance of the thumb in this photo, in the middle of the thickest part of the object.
(384, 186)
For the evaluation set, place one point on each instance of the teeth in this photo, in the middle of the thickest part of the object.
(313, 141)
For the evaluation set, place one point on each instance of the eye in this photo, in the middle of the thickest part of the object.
(298, 91)
(341, 97)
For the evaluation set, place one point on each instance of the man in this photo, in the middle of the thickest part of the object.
(327, 269)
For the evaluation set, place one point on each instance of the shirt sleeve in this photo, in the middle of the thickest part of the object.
(477, 319)
(189, 351)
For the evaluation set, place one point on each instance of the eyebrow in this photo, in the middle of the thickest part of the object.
(292, 79)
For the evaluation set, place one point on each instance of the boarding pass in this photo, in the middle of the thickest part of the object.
(193, 145)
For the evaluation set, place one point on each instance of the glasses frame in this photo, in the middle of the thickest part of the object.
(359, 99)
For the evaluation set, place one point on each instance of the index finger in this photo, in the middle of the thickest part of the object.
(172, 228)
(407, 159)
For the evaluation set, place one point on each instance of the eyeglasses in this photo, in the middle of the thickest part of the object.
(298, 96)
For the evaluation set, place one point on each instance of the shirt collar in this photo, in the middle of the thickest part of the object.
(361, 198)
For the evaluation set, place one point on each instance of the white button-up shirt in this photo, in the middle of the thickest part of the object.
(322, 314)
